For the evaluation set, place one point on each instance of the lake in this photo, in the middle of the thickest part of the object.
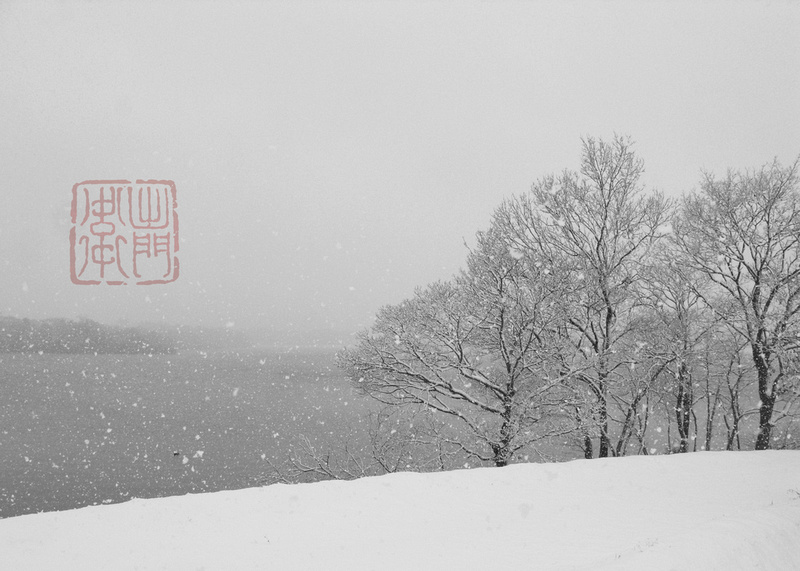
(78, 430)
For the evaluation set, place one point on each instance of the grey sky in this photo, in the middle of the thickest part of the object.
(329, 157)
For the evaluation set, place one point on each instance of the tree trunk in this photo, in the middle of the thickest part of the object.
(588, 449)
(502, 449)
(602, 420)
(766, 395)
(683, 407)
(605, 444)
(764, 418)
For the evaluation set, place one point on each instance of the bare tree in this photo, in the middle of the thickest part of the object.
(599, 226)
(685, 329)
(743, 233)
(479, 351)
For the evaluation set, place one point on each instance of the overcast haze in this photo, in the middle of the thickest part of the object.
(328, 158)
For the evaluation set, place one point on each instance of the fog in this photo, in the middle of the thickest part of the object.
(329, 158)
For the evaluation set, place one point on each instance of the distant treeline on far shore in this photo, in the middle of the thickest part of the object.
(59, 335)
(62, 335)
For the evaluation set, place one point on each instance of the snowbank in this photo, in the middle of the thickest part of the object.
(693, 511)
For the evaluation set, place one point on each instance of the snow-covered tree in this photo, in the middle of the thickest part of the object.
(480, 350)
(599, 226)
(743, 233)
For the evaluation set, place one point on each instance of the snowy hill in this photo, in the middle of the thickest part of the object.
(694, 511)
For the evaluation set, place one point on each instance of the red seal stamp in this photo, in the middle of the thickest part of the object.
(124, 232)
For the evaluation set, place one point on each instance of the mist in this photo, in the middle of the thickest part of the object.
(329, 158)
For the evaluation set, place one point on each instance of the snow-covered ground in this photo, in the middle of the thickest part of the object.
(711, 510)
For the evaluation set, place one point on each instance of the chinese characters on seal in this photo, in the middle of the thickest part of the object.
(124, 232)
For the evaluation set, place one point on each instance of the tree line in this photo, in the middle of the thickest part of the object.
(58, 335)
(593, 309)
